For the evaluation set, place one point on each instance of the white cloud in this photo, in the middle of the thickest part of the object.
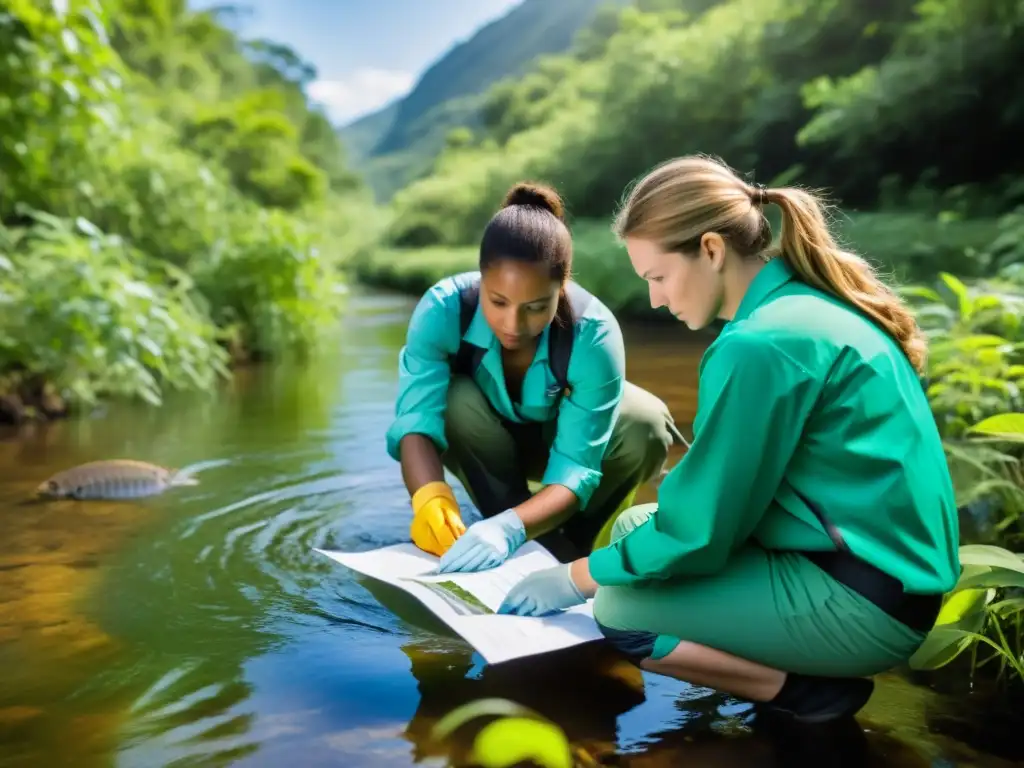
(359, 92)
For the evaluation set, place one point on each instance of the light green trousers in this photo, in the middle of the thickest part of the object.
(771, 607)
(495, 459)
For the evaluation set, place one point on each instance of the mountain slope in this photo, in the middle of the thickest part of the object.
(397, 144)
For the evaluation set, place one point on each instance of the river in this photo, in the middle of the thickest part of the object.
(199, 627)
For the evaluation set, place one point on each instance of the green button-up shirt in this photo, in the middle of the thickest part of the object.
(596, 376)
(801, 392)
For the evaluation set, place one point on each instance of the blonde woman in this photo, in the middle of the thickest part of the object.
(805, 540)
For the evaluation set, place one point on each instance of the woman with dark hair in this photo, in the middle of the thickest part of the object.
(515, 373)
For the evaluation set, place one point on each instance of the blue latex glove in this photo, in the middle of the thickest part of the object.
(485, 544)
(542, 593)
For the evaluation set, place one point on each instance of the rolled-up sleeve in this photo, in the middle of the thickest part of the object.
(753, 401)
(424, 370)
(586, 417)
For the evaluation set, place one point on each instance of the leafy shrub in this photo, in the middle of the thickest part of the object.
(162, 194)
(84, 311)
(271, 282)
(975, 376)
(61, 83)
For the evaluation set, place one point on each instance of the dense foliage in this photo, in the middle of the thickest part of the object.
(168, 201)
(906, 106)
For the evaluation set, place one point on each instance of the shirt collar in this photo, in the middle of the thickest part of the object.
(773, 275)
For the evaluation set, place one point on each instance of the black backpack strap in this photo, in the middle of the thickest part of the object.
(563, 333)
(469, 355)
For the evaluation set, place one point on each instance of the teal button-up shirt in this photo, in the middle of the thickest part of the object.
(801, 392)
(585, 418)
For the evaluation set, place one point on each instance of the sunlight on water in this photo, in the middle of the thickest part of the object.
(200, 625)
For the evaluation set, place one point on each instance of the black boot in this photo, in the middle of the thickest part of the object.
(808, 699)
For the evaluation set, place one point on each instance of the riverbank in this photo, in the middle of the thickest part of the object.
(89, 317)
(904, 246)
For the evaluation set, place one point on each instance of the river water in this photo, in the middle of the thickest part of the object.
(199, 627)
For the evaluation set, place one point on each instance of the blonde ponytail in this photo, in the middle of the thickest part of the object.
(681, 199)
(808, 247)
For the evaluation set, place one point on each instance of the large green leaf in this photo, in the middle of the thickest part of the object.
(989, 567)
(966, 603)
(962, 612)
(988, 556)
(941, 646)
(1006, 426)
(991, 578)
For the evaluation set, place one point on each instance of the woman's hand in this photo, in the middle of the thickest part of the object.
(549, 591)
(436, 524)
(485, 544)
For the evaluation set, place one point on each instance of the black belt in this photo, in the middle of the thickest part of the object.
(887, 592)
(915, 611)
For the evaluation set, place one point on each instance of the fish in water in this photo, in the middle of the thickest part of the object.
(113, 479)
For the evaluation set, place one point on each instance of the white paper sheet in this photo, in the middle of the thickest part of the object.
(496, 637)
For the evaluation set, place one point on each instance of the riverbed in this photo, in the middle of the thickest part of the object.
(200, 628)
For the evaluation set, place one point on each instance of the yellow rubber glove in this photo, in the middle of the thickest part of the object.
(436, 522)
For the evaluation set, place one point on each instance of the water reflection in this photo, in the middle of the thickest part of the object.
(200, 628)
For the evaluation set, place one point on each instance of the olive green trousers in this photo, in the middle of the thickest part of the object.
(772, 607)
(495, 459)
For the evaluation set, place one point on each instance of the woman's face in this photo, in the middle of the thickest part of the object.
(690, 286)
(519, 300)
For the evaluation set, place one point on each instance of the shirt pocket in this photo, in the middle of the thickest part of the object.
(540, 395)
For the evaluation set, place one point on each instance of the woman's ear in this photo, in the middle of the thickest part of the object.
(712, 248)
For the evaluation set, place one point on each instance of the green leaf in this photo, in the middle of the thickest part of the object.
(960, 291)
(991, 579)
(964, 603)
(988, 556)
(1008, 607)
(513, 740)
(930, 294)
(974, 342)
(940, 647)
(1007, 426)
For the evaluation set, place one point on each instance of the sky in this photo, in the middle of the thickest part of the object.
(366, 52)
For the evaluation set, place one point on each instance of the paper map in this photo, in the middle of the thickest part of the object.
(467, 601)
